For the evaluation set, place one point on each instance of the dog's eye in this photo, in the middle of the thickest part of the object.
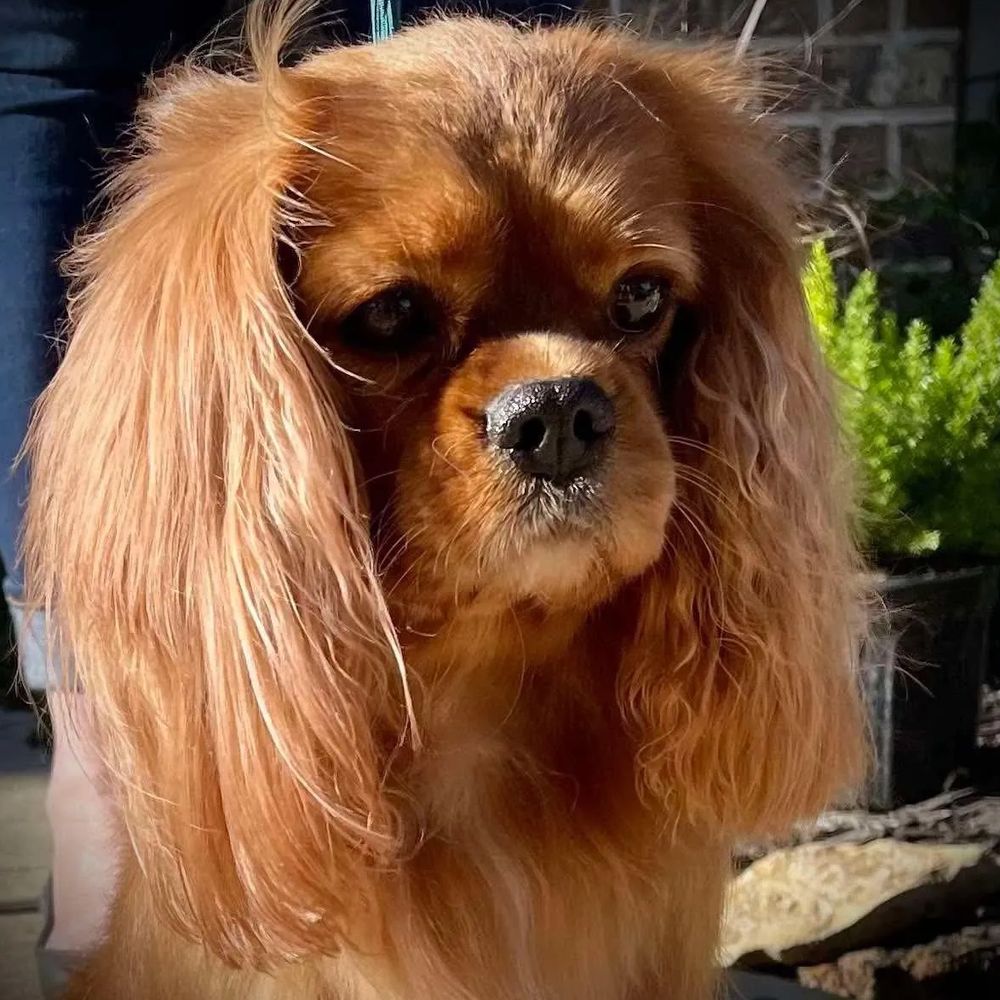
(638, 303)
(391, 321)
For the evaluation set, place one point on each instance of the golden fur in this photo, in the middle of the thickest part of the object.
(374, 732)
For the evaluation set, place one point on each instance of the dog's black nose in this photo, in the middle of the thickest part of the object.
(554, 429)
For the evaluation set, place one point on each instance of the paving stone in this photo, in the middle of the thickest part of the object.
(802, 149)
(18, 971)
(24, 853)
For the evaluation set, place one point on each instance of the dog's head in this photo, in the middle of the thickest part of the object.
(500, 262)
(476, 319)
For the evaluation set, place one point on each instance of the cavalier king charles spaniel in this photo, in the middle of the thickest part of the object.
(442, 499)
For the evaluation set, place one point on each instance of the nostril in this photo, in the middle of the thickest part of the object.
(583, 427)
(531, 435)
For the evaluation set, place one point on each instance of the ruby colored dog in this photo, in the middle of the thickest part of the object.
(441, 500)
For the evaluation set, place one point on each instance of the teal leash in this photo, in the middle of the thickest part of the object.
(385, 14)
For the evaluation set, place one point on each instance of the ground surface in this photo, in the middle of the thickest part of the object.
(24, 853)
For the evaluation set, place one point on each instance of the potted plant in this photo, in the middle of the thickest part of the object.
(923, 418)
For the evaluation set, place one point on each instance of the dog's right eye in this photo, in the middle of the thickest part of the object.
(390, 321)
(639, 302)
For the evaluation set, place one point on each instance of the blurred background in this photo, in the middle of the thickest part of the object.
(891, 109)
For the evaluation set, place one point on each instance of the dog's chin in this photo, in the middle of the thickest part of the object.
(569, 549)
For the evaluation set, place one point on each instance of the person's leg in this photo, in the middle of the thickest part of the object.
(69, 74)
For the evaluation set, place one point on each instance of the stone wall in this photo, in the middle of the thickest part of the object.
(868, 88)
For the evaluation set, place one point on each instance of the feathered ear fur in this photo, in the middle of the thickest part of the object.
(196, 527)
(741, 677)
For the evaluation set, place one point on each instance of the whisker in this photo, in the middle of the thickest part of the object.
(710, 489)
(388, 558)
(380, 475)
(444, 456)
(704, 447)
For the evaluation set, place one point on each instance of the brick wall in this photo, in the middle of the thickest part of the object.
(872, 84)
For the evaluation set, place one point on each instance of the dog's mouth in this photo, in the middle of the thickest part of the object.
(547, 508)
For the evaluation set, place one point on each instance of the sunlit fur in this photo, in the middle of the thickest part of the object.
(379, 726)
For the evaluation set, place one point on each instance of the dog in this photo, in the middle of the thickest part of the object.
(442, 498)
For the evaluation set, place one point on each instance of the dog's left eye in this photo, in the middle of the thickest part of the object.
(392, 320)
(638, 303)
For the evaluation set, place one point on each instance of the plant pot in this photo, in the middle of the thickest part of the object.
(922, 672)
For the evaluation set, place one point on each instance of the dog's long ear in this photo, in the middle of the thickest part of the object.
(741, 679)
(195, 527)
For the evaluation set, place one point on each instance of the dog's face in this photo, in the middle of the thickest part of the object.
(499, 273)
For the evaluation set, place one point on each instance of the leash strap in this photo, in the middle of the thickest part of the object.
(385, 14)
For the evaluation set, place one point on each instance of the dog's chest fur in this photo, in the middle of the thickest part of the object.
(538, 875)
(540, 872)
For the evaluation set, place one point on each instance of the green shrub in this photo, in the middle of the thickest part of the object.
(922, 415)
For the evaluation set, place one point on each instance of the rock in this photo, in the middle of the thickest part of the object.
(810, 904)
(966, 964)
